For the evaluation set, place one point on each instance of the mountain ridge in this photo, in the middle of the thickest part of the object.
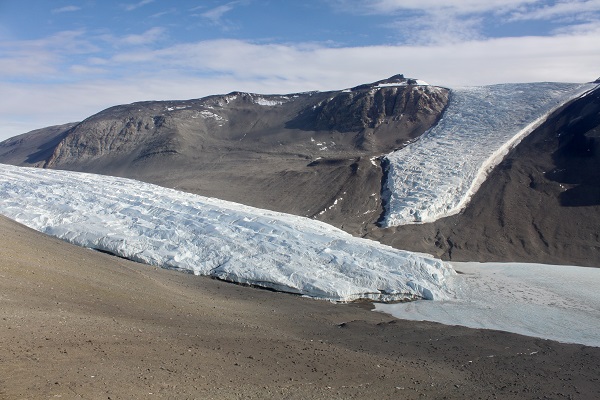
(314, 147)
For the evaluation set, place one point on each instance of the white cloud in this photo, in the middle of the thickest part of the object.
(587, 28)
(163, 13)
(573, 8)
(460, 7)
(65, 9)
(43, 57)
(511, 10)
(148, 37)
(516, 9)
(135, 6)
(87, 70)
(567, 57)
(97, 61)
(217, 13)
(63, 42)
(438, 28)
(437, 21)
(24, 64)
(434, 21)
(199, 69)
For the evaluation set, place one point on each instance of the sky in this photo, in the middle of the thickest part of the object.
(64, 60)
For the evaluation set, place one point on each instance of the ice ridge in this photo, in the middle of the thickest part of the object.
(436, 176)
(206, 236)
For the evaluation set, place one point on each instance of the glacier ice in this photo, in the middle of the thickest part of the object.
(435, 176)
(213, 237)
(555, 302)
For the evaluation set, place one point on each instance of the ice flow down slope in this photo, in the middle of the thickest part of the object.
(436, 176)
(213, 237)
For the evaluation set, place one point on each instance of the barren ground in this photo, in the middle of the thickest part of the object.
(75, 323)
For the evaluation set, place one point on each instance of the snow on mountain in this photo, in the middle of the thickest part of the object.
(413, 82)
(548, 301)
(435, 176)
(271, 100)
(212, 237)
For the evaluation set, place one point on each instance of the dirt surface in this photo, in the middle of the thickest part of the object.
(75, 323)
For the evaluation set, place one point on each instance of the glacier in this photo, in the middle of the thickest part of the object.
(436, 176)
(555, 302)
(207, 236)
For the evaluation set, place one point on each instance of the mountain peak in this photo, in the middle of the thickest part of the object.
(395, 80)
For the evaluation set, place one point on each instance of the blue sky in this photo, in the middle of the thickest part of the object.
(62, 60)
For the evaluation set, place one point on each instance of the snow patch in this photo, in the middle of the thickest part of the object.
(176, 108)
(228, 99)
(323, 145)
(335, 203)
(417, 82)
(211, 115)
(207, 236)
(385, 85)
(270, 102)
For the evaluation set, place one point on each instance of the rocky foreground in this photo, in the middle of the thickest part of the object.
(82, 324)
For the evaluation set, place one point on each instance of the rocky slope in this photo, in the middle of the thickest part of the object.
(300, 153)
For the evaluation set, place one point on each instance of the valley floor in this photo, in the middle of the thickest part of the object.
(80, 324)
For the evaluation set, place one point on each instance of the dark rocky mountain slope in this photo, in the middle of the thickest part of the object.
(298, 153)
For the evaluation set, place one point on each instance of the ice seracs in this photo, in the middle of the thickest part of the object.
(212, 237)
(436, 176)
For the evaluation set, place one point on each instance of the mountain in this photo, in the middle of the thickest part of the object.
(320, 155)
(298, 153)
